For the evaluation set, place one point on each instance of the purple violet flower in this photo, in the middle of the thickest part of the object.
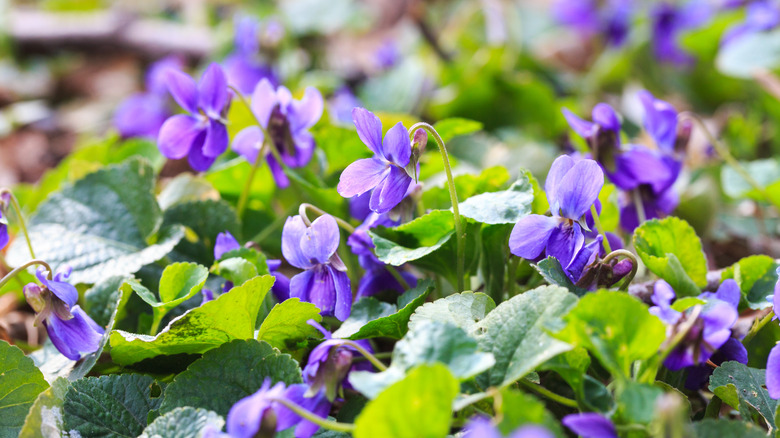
(281, 287)
(773, 361)
(200, 134)
(611, 18)
(324, 281)
(287, 121)
(243, 67)
(590, 425)
(761, 16)
(481, 427)
(330, 363)
(669, 21)
(708, 333)
(224, 244)
(384, 173)
(571, 190)
(70, 329)
(4, 237)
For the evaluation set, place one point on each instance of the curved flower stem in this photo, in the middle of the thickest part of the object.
(544, 392)
(308, 415)
(453, 197)
(21, 268)
(724, 153)
(757, 326)
(20, 217)
(306, 206)
(599, 228)
(371, 358)
(634, 264)
(640, 206)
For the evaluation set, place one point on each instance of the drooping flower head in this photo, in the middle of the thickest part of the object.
(384, 173)
(262, 414)
(707, 333)
(70, 329)
(142, 114)
(602, 134)
(330, 363)
(481, 427)
(4, 237)
(572, 188)
(287, 122)
(324, 281)
(200, 135)
(590, 425)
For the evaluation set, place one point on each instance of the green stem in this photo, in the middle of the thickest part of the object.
(544, 392)
(323, 422)
(21, 268)
(640, 206)
(156, 320)
(634, 265)
(275, 225)
(342, 223)
(724, 153)
(757, 326)
(649, 373)
(20, 217)
(599, 228)
(371, 358)
(398, 277)
(8, 269)
(248, 185)
(453, 197)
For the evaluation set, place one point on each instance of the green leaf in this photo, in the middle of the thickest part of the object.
(45, 416)
(515, 333)
(519, 409)
(495, 258)
(419, 406)
(722, 428)
(105, 224)
(750, 53)
(686, 303)
(455, 127)
(110, 406)
(20, 385)
(227, 374)
(505, 207)
(231, 316)
(341, 146)
(185, 187)
(180, 282)
(206, 219)
(616, 328)
(235, 269)
(374, 319)
(430, 342)
(187, 422)
(738, 385)
(467, 185)
(756, 276)
(671, 249)
(286, 326)
(100, 301)
(637, 402)
(552, 271)
(766, 173)
(464, 310)
(572, 366)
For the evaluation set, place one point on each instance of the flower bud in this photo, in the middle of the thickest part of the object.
(35, 297)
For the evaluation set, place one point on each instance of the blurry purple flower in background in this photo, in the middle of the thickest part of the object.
(610, 19)
(590, 425)
(70, 329)
(142, 114)
(387, 55)
(669, 21)
(385, 172)
(571, 190)
(226, 243)
(287, 122)
(243, 67)
(324, 281)
(200, 134)
(760, 16)
(341, 104)
(709, 332)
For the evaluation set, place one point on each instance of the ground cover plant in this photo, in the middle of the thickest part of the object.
(390, 219)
